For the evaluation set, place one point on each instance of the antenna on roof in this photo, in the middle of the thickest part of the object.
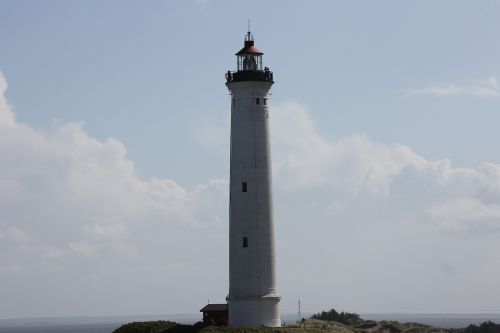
(249, 37)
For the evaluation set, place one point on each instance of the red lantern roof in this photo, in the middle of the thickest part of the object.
(249, 49)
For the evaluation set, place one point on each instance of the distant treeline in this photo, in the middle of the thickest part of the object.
(342, 317)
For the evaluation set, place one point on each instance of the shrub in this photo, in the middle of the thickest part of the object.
(342, 317)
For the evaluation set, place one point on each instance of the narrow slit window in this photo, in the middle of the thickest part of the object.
(244, 187)
(257, 101)
(265, 101)
(245, 241)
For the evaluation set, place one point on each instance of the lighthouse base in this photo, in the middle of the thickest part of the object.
(255, 311)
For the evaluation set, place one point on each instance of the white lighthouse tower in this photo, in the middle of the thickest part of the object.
(253, 299)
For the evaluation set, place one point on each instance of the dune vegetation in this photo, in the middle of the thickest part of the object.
(323, 322)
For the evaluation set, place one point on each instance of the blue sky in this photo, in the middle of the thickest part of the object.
(385, 141)
(146, 72)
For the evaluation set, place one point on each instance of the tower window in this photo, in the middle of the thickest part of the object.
(244, 187)
(257, 101)
(234, 101)
(245, 241)
(265, 101)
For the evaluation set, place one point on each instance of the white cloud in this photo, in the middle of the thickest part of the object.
(71, 203)
(377, 223)
(18, 235)
(357, 166)
(211, 134)
(83, 249)
(484, 88)
(6, 116)
(466, 214)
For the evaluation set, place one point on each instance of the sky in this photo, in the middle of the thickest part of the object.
(114, 154)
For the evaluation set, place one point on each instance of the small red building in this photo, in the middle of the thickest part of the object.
(215, 314)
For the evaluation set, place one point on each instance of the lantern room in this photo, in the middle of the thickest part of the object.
(249, 64)
(249, 57)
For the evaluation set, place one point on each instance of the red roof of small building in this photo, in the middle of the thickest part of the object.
(214, 307)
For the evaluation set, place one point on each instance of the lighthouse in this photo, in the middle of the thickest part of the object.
(253, 299)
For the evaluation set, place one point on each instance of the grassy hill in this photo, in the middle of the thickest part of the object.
(324, 322)
(308, 326)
